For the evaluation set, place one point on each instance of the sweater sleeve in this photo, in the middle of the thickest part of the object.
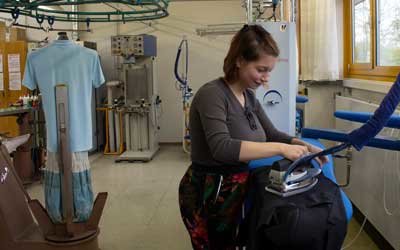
(212, 109)
(273, 134)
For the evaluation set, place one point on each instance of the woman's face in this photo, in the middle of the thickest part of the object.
(256, 73)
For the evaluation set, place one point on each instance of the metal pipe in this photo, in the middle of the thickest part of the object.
(249, 11)
(28, 26)
(75, 27)
(293, 11)
(117, 131)
(74, 30)
(110, 119)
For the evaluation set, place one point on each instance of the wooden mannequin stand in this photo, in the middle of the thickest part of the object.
(18, 212)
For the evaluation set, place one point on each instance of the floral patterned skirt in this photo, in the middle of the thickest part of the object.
(210, 207)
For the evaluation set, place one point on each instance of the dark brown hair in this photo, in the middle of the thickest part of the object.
(249, 43)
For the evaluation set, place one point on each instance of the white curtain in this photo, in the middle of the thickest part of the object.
(319, 40)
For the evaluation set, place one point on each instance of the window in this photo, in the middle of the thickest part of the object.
(372, 39)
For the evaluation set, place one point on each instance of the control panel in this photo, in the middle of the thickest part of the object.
(134, 45)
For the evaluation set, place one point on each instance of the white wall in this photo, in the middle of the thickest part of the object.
(205, 54)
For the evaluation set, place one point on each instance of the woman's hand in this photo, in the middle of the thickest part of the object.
(293, 152)
(312, 149)
(322, 159)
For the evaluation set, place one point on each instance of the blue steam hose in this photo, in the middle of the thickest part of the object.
(178, 55)
(183, 85)
(361, 136)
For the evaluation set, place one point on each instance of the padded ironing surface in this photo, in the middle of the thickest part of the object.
(327, 170)
(382, 142)
(301, 99)
(363, 117)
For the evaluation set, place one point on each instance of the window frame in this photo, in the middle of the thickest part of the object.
(363, 70)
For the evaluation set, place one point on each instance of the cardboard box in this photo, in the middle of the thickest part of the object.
(17, 34)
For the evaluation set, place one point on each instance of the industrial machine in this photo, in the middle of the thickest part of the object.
(141, 104)
(279, 101)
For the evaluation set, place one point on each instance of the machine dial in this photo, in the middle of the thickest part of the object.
(272, 97)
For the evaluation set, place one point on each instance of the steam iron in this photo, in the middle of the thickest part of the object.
(288, 178)
(284, 183)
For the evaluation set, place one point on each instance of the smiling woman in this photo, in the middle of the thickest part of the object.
(228, 128)
(247, 47)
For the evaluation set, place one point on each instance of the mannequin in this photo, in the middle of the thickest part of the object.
(78, 68)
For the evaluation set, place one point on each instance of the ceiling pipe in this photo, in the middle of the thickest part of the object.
(75, 25)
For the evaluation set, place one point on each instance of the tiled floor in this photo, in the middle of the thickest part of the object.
(142, 208)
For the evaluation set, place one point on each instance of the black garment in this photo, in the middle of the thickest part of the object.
(313, 220)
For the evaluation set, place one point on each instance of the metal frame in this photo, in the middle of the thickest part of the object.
(139, 10)
(251, 17)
